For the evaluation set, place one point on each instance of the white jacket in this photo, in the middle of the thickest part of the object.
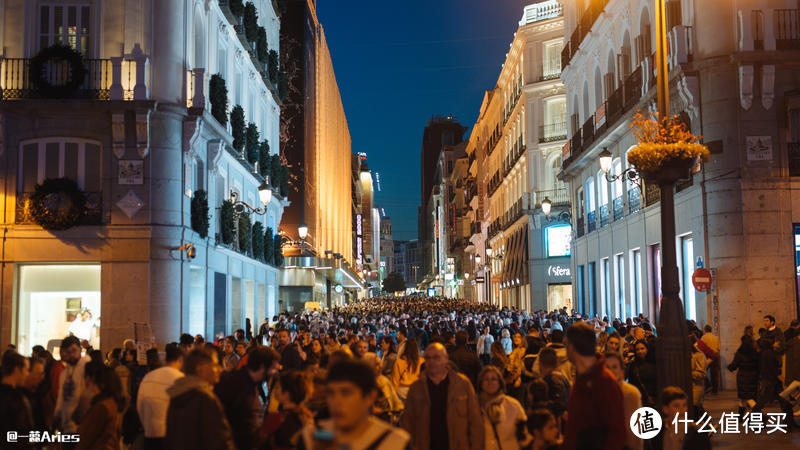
(153, 400)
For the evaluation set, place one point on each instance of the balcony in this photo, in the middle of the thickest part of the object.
(102, 76)
(494, 183)
(514, 155)
(793, 150)
(603, 215)
(617, 206)
(581, 30)
(552, 132)
(551, 72)
(557, 197)
(634, 200)
(587, 132)
(621, 101)
(92, 216)
(591, 221)
(787, 29)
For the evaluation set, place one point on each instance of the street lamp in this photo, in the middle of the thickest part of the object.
(265, 192)
(302, 230)
(546, 206)
(605, 165)
(264, 196)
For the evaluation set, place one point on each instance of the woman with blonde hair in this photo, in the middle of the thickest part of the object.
(406, 368)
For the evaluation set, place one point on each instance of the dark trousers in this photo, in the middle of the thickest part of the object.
(714, 372)
(153, 443)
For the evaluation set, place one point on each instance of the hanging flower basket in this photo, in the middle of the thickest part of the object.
(666, 151)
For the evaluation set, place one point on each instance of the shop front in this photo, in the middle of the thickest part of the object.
(56, 300)
(559, 285)
(315, 283)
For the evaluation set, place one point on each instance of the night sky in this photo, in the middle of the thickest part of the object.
(399, 63)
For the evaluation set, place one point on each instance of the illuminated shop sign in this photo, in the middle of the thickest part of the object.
(557, 240)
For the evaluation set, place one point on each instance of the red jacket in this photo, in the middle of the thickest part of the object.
(595, 411)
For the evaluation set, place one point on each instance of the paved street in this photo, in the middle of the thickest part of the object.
(725, 401)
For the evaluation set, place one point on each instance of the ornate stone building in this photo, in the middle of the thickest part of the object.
(731, 78)
(137, 137)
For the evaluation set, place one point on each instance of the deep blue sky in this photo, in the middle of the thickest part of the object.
(399, 63)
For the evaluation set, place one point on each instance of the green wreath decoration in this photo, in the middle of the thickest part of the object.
(53, 54)
(57, 204)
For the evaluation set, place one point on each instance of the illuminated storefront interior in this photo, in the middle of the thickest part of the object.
(57, 300)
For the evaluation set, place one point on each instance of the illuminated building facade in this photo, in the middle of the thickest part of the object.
(732, 79)
(514, 156)
(138, 138)
(317, 148)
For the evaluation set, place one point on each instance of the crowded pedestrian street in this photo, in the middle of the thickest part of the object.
(424, 225)
(405, 372)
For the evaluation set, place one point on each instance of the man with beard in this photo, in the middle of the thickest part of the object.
(71, 384)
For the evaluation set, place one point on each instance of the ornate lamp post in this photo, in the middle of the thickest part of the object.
(673, 354)
(264, 196)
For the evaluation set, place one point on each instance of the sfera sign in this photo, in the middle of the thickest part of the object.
(555, 271)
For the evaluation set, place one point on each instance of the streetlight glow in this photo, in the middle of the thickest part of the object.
(302, 230)
(546, 206)
(605, 160)
(264, 193)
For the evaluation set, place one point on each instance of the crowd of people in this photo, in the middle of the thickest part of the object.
(386, 373)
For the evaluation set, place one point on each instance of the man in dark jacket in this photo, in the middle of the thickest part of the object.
(15, 411)
(195, 417)
(290, 356)
(774, 333)
(596, 417)
(465, 359)
(792, 336)
(237, 391)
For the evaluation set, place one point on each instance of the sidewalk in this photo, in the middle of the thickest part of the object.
(725, 401)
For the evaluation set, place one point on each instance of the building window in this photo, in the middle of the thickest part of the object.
(76, 159)
(605, 292)
(551, 59)
(687, 268)
(555, 119)
(581, 306)
(655, 275)
(591, 291)
(65, 24)
(636, 281)
(590, 198)
(619, 285)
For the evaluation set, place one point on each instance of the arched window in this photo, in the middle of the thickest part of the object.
(616, 188)
(598, 88)
(199, 41)
(586, 111)
(590, 198)
(624, 58)
(611, 75)
(602, 189)
(643, 47)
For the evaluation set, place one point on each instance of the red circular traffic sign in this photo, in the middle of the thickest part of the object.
(701, 279)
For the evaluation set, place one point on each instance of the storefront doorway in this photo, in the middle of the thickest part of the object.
(559, 296)
(55, 301)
